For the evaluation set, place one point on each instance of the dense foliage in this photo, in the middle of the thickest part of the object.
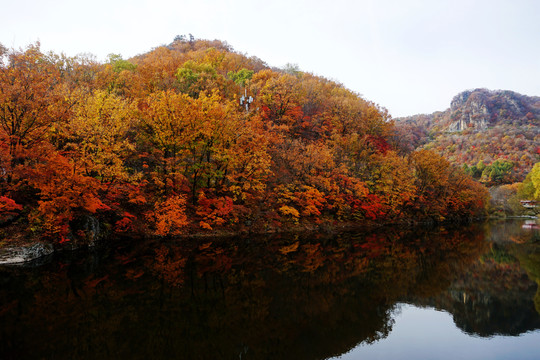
(161, 144)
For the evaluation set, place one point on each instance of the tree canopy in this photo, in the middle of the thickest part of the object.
(161, 144)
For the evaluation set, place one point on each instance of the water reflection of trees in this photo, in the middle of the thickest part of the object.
(290, 298)
(494, 296)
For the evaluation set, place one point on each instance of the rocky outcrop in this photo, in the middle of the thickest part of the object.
(479, 109)
(469, 109)
(24, 254)
(85, 231)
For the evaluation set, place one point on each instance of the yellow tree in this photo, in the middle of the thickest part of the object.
(392, 181)
(98, 135)
(206, 140)
(432, 173)
(248, 158)
(535, 179)
(530, 188)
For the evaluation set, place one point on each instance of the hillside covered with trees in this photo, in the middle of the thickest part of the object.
(493, 135)
(195, 137)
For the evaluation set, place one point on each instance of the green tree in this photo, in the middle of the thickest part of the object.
(498, 172)
(241, 76)
(119, 64)
(195, 77)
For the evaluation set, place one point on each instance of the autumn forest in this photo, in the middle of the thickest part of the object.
(194, 138)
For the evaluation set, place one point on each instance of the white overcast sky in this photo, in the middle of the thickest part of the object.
(409, 56)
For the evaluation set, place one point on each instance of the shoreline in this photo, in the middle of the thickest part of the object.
(34, 251)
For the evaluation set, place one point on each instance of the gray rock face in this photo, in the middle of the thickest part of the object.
(460, 99)
(88, 230)
(479, 108)
(470, 110)
(84, 231)
(24, 254)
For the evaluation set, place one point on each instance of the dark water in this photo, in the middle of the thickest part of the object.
(467, 292)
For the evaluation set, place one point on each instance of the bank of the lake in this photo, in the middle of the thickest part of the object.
(30, 249)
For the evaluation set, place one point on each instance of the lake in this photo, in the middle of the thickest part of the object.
(446, 293)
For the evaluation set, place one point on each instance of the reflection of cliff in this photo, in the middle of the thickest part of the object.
(489, 301)
(266, 298)
(495, 295)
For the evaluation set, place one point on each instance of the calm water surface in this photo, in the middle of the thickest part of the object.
(425, 333)
(456, 293)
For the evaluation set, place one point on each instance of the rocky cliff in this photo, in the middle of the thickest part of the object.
(479, 109)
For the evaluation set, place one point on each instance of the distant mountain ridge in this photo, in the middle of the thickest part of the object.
(479, 128)
(480, 108)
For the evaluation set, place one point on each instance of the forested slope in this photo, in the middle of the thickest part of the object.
(163, 144)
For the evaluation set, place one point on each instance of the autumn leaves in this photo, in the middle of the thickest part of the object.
(161, 145)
